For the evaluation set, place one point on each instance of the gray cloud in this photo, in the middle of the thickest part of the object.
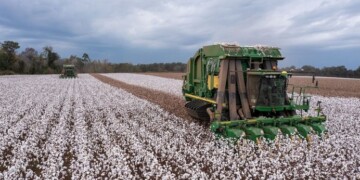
(149, 31)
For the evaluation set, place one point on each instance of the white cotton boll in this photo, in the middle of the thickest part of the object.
(151, 82)
(160, 142)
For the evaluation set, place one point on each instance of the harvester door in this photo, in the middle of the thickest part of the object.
(197, 76)
(198, 68)
(253, 86)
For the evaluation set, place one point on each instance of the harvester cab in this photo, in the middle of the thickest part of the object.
(243, 95)
(68, 71)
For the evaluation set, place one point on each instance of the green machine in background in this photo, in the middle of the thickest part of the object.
(243, 95)
(68, 71)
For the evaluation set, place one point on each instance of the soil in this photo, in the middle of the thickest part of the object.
(328, 86)
(168, 102)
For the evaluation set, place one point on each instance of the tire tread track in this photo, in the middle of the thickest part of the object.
(168, 102)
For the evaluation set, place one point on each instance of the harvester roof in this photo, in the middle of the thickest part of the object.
(231, 50)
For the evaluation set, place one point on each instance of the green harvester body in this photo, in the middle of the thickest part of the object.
(68, 71)
(241, 92)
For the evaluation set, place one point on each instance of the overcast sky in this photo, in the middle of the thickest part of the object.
(318, 32)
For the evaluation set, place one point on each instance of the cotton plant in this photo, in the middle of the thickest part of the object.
(148, 81)
(85, 129)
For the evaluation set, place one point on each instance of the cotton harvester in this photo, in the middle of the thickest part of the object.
(68, 71)
(243, 94)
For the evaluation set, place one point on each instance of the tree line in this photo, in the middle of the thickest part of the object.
(30, 61)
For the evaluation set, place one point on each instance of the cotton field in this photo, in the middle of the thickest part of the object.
(152, 82)
(81, 128)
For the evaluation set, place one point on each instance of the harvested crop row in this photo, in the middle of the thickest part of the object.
(171, 101)
(150, 82)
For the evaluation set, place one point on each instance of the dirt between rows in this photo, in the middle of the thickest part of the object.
(168, 102)
(328, 86)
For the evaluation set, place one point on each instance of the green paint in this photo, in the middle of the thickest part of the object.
(68, 71)
(271, 108)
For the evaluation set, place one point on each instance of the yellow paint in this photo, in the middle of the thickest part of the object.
(213, 82)
(203, 99)
(200, 98)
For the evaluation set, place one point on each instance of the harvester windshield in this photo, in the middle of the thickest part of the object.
(266, 90)
(272, 91)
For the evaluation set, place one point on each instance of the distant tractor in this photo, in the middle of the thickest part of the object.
(68, 71)
(241, 92)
